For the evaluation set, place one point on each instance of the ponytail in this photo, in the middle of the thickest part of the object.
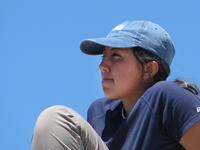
(191, 86)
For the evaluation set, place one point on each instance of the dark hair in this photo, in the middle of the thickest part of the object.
(191, 86)
(144, 56)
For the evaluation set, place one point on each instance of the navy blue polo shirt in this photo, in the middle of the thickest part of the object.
(157, 122)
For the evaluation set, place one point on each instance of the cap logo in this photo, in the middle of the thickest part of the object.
(119, 27)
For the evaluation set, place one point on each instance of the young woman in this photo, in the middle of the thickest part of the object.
(141, 111)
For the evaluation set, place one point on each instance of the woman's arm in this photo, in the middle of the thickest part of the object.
(191, 138)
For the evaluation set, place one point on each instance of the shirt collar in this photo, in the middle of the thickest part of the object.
(123, 113)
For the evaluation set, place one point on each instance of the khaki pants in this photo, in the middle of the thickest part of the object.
(61, 128)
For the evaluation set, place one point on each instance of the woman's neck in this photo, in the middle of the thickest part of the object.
(130, 101)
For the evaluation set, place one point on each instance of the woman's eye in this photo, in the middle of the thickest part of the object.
(116, 55)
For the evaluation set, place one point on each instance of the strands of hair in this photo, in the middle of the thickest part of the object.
(189, 85)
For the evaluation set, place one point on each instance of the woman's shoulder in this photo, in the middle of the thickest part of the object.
(174, 87)
(162, 87)
(166, 86)
(171, 90)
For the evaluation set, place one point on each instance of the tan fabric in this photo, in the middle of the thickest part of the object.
(61, 128)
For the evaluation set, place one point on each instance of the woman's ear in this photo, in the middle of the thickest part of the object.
(150, 69)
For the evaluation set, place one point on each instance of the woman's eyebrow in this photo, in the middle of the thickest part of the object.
(113, 49)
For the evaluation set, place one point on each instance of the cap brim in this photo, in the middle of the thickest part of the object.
(96, 46)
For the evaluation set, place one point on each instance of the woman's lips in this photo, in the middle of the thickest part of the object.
(107, 81)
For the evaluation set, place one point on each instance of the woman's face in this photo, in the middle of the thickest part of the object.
(121, 73)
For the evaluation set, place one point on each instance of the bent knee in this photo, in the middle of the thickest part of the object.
(56, 117)
(51, 114)
(55, 124)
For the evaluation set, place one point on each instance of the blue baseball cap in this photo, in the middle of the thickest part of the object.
(144, 34)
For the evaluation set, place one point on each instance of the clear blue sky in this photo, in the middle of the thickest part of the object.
(41, 64)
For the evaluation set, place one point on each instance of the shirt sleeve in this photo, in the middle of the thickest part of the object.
(179, 110)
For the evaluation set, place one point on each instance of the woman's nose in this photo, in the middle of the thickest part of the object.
(104, 65)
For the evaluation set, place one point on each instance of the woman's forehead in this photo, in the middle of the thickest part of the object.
(115, 49)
